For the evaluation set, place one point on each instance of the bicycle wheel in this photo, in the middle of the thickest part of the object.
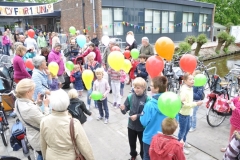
(3, 135)
(213, 118)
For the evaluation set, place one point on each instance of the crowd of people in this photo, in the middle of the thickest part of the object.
(47, 117)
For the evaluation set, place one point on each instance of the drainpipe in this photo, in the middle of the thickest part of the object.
(94, 18)
(83, 13)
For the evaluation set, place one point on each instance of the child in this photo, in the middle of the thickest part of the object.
(115, 86)
(164, 145)
(140, 70)
(77, 107)
(29, 54)
(134, 63)
(152, 117)
(186, 95)
(54, 85)
(101, 85)
(78, 84)
(198, 94)
(122, 81)
(135, 103)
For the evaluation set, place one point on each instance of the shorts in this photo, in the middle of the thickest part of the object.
(61, 79)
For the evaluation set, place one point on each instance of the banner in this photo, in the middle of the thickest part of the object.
(26, 11)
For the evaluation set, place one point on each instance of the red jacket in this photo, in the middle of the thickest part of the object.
(166, 147)
(97, 52)
(134, 66)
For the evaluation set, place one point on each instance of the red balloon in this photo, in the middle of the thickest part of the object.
(31, 33)
(154, 66)
(29, 64)
(127, 54)
(115, 48)
(188, 63)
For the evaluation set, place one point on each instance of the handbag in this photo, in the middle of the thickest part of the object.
(79, 156)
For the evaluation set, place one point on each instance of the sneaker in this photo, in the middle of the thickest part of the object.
(100, 118)
(186, 151)
(192, 129)
(106, 121)
(186, 145)
(223, 149)
(114, 104)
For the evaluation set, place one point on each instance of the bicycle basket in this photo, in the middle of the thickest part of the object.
(215, 83)
(221, 104)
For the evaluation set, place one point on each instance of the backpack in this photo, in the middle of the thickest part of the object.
(17, 130)
(75, 112)
(221, 104)
(72, 79)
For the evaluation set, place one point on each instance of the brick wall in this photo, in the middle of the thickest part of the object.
(71, 15)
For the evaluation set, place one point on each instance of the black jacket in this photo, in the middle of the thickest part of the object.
(77, 109)
(95, 41)
(134, 45)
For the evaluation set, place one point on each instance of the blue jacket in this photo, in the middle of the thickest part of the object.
(151, 119)
(142, 68)
(198, 93)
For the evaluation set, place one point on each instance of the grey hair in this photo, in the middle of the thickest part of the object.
(59, 104)
(37, 61)
(91, 54)
(146, 39)
(112, 41)
(58, 45)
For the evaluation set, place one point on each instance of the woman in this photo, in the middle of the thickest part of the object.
(41, 41)
(92, 48)
(19, 67)
(56, 128)
(45, 53)
(29, 113)
(55, 39)
(41, 76)
(6, 43)
(132, 46)
(56, 56)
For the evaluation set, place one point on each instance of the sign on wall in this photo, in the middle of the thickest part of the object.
(26, 11)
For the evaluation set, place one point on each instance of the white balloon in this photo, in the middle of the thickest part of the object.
(130, 39)
(105, 40)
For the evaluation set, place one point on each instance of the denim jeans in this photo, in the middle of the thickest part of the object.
(6, 49)
(121, 88)
(102, 105)
(89, 100)
(39, 157)
(184, 124)
(193, 120)
(146, 151)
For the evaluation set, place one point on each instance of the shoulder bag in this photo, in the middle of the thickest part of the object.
(79, 156)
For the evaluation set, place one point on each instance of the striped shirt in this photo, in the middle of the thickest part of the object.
(114, 75)
(233, 149)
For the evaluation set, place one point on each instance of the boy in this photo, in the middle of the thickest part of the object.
(141, 71)
(152, 117)
(164, 145)
(135, 103)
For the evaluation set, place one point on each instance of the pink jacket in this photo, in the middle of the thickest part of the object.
(235, 118)
(97, 52)
(123, 76)
(56, 57)
(5, 40)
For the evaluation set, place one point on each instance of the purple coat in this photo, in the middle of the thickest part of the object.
(56, 57)
(5, 40)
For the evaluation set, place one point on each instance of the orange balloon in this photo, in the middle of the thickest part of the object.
(165, 48)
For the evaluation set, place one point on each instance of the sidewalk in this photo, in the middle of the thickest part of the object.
(110, 141)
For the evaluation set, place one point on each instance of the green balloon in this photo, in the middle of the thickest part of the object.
(96, 95)
(169, 104)
(70, 65)
(135, 53)
(72, 30)
(200, 80)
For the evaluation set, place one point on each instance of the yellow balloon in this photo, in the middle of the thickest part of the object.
(87, 77)
(53, 68)
(116, 60)
(126, 65)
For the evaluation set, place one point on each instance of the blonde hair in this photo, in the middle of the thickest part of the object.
(76, 66)
(21, 50)
(130, 32)
(169, 126)
(72, 93)
(185, 76)
(140, 82)
(23, 87)
(91, 54)
(99, 70)
(196, 72)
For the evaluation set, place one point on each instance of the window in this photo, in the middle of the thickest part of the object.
(156, 21)
(168, 19)
(112, 21)
(148, 21)
(202, 23)
(187, 22)
(152, 21)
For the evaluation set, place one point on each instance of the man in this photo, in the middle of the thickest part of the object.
(95, 39)
(146, 48)
(30, 42)
(21, 39)
(107, 51)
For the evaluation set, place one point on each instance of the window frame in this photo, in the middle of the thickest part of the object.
(188, 23)
(204, 22)
(172, 22)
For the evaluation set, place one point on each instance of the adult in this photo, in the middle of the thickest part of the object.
(41, 41)
(107, 51)
(56, 128)
(233, 149)
(21, 38)
(16, 36)
(50, 39)
(146, 48)
(73, 48)
(45, 53)
(56, 56)
(95, 40)
(19, 67)
(30, 42)
(55, 39)
(131, 46)
(6, 44)
(29, 113)
(40, 76)
(88, 42)
(93, 48)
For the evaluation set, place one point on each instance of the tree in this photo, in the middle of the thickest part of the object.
(184, 47)
(226, 11)
(222, 37)
(34, 1)
(201, 39)
(229, 25)
(229, 41)
(190, 40)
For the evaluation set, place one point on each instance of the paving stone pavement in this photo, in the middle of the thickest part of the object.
(110, 141)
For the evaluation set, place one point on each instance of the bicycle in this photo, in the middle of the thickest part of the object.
(234, 79)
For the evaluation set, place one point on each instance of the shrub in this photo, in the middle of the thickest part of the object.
(190, 39)
(184, 47)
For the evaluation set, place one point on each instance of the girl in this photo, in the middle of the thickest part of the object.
(31, 52)
(54, 85)
(186, 95)
(134, 63)
(78, 84)
(122, 81)
(115, 86)
(101, 85)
